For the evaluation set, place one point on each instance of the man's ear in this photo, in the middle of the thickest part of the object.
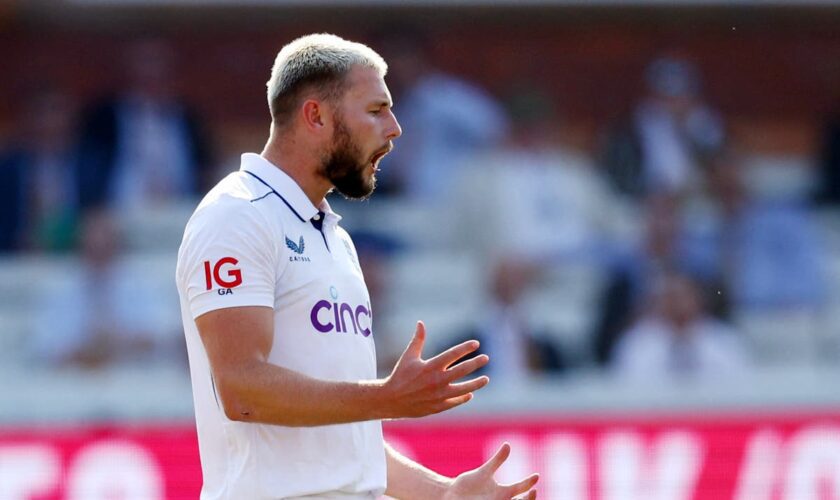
(312, 113)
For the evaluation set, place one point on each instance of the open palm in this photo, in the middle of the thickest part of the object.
(479, 483)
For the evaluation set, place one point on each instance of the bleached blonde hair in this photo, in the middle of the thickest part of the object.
(319, 63)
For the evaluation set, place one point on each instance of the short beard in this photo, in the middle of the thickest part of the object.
(344, 166)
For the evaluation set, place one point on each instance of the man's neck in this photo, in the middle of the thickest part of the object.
(301, 166)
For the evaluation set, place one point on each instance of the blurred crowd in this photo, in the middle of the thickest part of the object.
(687, 255)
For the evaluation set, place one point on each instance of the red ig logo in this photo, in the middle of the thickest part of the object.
(234, 275)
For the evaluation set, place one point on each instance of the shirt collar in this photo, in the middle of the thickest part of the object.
(286, 188)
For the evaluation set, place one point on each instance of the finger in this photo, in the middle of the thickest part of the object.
(531, 495)
(491, 466)
(415, 347)
(463, 369)
(522, 486)
(456, 401)
(453, 354)
(464, 387)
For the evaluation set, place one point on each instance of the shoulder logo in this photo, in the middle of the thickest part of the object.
(295, 247)
(232, 280)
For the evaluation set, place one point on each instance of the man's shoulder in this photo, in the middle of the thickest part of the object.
(233, 200)
(343, 234)
(228, 217)
(229, 193)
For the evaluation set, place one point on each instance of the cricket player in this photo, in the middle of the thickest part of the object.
(277, 318)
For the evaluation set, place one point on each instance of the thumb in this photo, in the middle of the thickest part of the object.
(415, 347)
(496, 461)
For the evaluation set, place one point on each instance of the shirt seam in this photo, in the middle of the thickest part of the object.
(255, 176)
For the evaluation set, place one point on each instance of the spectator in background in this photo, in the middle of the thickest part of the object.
(677, 338)
(531, 196)
(632, 270)
(533, 199)
(829, 162)
(38, 177)
(761, 241)
(668, 139)
(756, 248)
(12, 200)
(517, 350)
(102, 314)
(446, 120)
(143, 146)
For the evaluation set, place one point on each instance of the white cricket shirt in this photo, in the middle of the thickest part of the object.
(257, 240)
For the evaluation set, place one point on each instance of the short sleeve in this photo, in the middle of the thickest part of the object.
(228, 258)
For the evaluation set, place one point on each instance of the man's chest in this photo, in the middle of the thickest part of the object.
(323, 316)
(321, 279)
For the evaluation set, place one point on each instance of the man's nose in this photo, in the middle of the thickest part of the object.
(394, 130)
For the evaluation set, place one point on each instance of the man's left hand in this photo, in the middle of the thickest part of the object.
(479, 483)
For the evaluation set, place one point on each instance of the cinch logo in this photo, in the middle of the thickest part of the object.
(234, 275)
(336, 316)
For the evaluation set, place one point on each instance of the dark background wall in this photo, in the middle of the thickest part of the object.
(773, 71)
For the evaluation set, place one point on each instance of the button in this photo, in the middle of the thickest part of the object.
(316, 217)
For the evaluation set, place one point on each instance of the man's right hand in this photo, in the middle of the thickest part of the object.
(419, 387)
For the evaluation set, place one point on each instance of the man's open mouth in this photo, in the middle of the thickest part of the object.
(374, 160)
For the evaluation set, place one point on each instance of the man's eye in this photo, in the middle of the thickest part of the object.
(376, 111)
